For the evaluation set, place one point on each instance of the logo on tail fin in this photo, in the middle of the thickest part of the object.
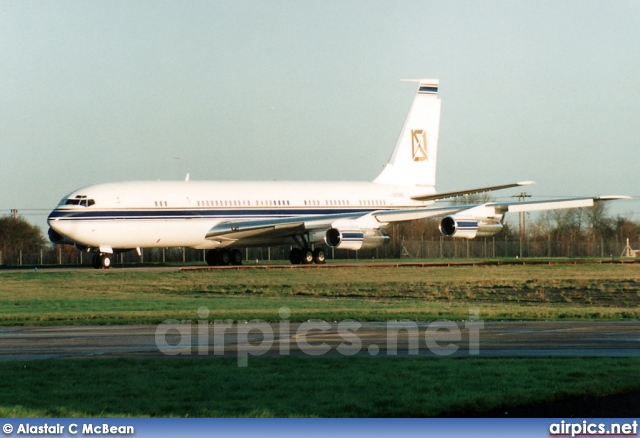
(419, 144)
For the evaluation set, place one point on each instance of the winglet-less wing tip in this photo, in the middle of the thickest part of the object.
(612, 197)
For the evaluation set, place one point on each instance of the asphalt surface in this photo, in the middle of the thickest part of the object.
(250, 341)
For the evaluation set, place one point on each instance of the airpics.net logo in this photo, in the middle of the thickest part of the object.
(243, 339)
(587, 428)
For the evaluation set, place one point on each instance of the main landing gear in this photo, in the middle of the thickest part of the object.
(303, 255)
(223, 257)
(297, 256)
(102, 261)
(306, 256)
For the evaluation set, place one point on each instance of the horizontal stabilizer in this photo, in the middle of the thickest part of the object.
(447, 195)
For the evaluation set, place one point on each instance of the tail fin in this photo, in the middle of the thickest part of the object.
(413, 161)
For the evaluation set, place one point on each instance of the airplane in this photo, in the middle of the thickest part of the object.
(223, 216)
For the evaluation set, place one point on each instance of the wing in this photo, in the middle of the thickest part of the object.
(280, 228)
(494, 211)
(554, 204)
(231, 231)
(286, 227)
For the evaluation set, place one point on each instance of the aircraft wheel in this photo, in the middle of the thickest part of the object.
(318, 256)
(235, 257)
(225, 258)
(212, 257)
(295, 256)
(307, 256)
(96, 261)
(105, 261)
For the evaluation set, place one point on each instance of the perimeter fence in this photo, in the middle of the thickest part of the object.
(443, 248)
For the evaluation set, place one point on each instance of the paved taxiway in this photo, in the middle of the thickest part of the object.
(316, 338)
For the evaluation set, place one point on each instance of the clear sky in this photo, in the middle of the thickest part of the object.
(126, 90)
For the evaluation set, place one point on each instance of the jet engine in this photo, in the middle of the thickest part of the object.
(355, 238)
(58, 238)
(468, 228)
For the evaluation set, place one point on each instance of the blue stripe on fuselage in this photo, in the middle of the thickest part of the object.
(157, 214)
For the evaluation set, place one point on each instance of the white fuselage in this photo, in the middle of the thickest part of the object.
(155, 214)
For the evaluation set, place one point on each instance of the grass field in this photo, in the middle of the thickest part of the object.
(302, 387)
(121, 296)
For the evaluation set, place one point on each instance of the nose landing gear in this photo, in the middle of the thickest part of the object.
(102, 261)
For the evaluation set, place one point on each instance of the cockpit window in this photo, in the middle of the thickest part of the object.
(80, 200)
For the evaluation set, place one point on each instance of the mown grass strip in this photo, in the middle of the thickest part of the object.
(121, 296)
(295, 386)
